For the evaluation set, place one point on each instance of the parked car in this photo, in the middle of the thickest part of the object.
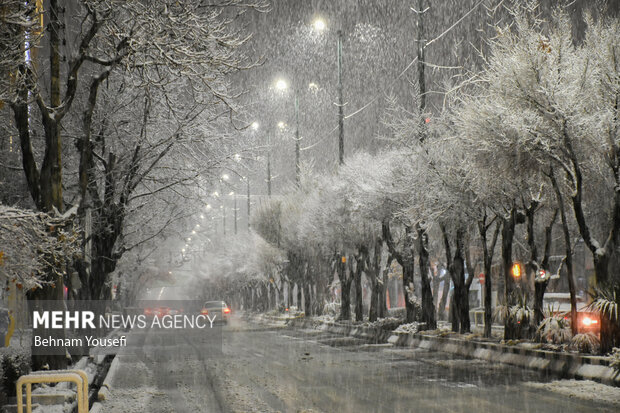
(559, 303)
(219, 309)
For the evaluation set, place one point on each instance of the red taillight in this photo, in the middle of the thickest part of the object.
(226, 310)
(204, 311)
(286, 309)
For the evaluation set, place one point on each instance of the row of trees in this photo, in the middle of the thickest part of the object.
(122, 110)
(529, 143)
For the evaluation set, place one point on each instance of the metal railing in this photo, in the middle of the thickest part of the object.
(56, 376)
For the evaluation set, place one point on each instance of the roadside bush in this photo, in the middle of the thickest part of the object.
(615, 359)
(13, 364)
(554, 330)
(585, 343)
(331, 309)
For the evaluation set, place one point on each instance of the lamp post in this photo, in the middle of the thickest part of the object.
(247, 179)
(234, 195)
(282, 85)
(319, 25)
(224, 177)
(340, 103)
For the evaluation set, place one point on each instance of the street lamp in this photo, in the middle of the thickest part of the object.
(319, 24)
(282, 85)
(234, 195)
(247, 180)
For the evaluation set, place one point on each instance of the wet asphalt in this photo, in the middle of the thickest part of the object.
(252, 368)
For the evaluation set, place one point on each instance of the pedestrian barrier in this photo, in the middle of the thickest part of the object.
(56, 376)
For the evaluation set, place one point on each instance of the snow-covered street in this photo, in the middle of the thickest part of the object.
(270, 369)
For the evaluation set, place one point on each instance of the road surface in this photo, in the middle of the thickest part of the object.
(263, 369)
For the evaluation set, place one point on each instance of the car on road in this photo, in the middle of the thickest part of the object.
(559, 303)
(219, 309)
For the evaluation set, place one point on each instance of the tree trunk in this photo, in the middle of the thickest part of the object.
(289, 301)
(359, 269)
(408, 272)
(460, 320)
(488, 252)
(374, 270)
(345, 288)
(444, 295)
(307, 299)
(383, 310)
(540, 286)
(53, 292)
(569, 255)
(428, 306)
(511, 330)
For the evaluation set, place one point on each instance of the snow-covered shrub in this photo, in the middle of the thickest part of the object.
(323, 319)
(615, 359)
(410, 328)
(331, 308)
(13, 364)
(388, 323)
(585, 343)
(554, 330)
(399, 312)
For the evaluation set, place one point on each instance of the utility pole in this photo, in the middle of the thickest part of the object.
(223, 208)
(248, 182)
(235, 209)
(269, 164)
(297, 167)
(340, 103)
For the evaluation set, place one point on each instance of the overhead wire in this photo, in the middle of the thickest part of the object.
(400, 75)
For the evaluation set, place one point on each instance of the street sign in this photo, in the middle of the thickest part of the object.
(481, 278)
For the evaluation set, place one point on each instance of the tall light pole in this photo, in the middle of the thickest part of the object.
(319, 25)
(297, 167)
(281, 84)
(234, 195)
(247, 178)
(269, 163)
(340, 103)
(224, 177)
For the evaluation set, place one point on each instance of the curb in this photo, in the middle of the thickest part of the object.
(564, 365)
(104, 390)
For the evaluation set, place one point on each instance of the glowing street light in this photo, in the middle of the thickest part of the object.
(202, 216)
(319, 24)
(225, 177)
(208, 206)
(281, 84)
(255, 125)
(516, 270)
(281, 125)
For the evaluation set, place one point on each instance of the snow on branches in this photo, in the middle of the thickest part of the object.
(34, 245)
